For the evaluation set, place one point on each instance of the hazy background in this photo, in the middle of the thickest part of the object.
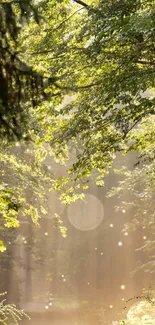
(85, 278)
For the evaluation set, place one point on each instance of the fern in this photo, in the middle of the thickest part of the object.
(9, 313)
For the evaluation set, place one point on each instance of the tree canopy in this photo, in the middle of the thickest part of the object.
(101, 55)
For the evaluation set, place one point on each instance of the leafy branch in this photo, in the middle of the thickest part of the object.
(9, 313)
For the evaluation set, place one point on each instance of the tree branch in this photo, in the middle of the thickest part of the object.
(75, 88)
(82, 3)
(132, 127)
(64, 21)
(146, 62)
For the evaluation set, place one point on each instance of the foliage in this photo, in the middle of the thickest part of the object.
(16, 197)
(15, 74)
(25, 186)
(100, 54)
(21, 86)
(138, 186)
(113, 49)
(9, 313)
(24, 178)
(141, 312)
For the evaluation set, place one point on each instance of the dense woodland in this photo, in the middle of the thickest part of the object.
(76, 87)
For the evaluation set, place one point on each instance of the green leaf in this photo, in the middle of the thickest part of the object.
(2, 247)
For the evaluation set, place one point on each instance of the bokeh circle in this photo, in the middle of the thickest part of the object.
(86, 214)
